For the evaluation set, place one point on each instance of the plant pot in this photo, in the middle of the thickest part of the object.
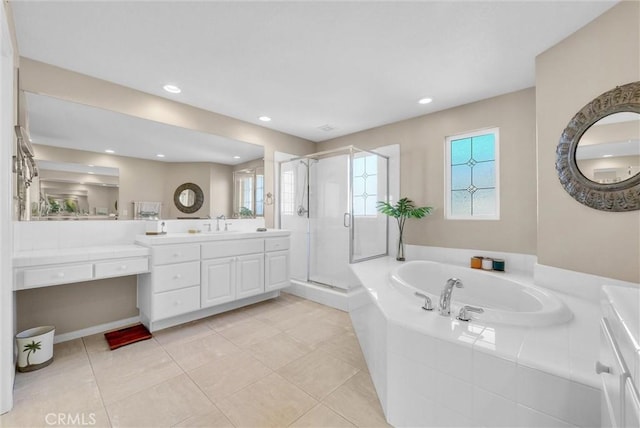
(35, 348)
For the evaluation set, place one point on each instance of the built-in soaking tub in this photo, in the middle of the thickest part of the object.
(504, 301)
(528, 363)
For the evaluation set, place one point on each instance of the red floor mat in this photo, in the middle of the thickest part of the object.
(126, 336)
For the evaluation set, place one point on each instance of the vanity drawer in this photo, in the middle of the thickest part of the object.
(175, 254)
(121, 267)
(56, 275)
(172, 277)
(213, 250)
(276, 244)
(176, 302)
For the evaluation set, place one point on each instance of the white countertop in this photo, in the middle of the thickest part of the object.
(183, 238)
(77, 254)
(567, 350)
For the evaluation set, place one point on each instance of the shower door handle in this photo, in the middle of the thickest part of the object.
(346, 220)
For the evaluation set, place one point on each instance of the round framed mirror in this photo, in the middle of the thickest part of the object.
(598, 156)
(188, 198)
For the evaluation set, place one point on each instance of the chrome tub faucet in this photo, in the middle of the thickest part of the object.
(445, 296)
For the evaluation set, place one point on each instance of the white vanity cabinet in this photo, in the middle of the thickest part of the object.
(277, 267)
(194, 276)
(45, 268)
(619, 361)
(173, 285)
(240, 273)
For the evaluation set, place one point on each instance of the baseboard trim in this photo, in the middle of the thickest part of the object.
(101, 328)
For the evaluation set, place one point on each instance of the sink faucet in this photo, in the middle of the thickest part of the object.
(445, 296)
(220, 217)
(208, 225)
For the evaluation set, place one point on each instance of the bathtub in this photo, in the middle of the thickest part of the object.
(504, 301)
(528, 363)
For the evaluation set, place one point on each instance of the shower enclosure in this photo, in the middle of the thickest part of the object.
(328, 202)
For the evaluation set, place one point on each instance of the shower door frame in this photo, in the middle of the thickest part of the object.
(347, 150)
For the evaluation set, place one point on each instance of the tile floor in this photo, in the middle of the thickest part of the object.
(283, 362)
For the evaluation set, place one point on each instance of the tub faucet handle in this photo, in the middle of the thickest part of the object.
(464, 312)
(428, 305)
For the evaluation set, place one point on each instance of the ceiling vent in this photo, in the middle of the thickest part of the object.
(326, 128)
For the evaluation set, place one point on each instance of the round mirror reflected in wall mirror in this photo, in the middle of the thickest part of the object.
(188, 198)
(609, 151)
(606, 128)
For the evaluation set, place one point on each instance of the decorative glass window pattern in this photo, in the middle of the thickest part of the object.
(472, 179)
(365, 185)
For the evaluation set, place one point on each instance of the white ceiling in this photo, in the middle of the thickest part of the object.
(349, 65)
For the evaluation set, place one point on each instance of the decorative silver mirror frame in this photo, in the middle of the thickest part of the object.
(621, 196)
(197, 203)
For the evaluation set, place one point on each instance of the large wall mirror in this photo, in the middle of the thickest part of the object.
(598, 156)
(99, 164)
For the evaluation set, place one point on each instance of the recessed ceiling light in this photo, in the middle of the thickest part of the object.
(109, 151)
(172, 89)
(90, 166)
(160, 155)
(236, 157)
(265, 118)
(90, 172)
(425, 100)
(606, 156)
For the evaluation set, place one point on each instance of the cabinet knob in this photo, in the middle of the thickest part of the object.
(177, 303)
(177, 254)
(177, 276)
(601, 368)
(123, 267)
(60, 275)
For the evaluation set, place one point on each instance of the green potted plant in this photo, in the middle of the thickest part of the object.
(401, 211)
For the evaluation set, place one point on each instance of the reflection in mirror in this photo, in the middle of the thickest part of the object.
(67, 190)
(248, 194)
(609, 151)
(187, 197)
(152, 158)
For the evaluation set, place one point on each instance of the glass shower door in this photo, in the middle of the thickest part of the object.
(369, 185)
(329, 221)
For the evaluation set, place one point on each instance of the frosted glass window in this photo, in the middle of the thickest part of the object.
(472, 179)
(365, 185)
(288, 193)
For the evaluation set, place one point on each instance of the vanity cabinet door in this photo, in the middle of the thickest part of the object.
(218, 281)
(276, 270)
(613, 373)
(249, 275)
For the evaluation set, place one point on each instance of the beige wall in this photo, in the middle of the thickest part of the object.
(595, 59)
(46, 79)
(422, 143)
(76, 306)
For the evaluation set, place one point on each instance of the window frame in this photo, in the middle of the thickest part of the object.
(447, 174)
(375, 214)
